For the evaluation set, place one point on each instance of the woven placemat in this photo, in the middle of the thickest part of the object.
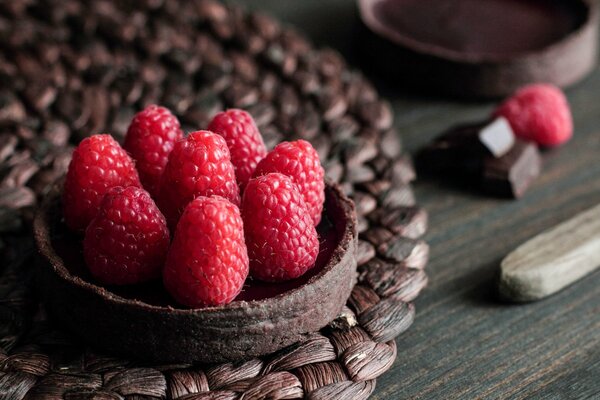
(70, 68)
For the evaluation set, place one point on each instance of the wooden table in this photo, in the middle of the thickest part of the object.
(465, 343)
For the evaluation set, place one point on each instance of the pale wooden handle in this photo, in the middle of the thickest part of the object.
(553, 259)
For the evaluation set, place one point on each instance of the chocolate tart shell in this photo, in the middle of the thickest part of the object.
(435, 69)
(240, 330)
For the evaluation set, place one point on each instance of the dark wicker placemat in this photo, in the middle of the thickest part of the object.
(72, 68)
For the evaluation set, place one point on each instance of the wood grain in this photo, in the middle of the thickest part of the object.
(465, 343)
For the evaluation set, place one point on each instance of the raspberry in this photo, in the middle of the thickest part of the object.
(149, 140)
(243, 139)
(98, 164)
(300, 161)
(539, 113)
(281, 237)
(207, 263)
(128, 240)
(200, 165)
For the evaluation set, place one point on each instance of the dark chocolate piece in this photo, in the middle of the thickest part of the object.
(511, 174)
(137, 324)
(462, 148)
(481, 48)
(486, 153)
(450, 153)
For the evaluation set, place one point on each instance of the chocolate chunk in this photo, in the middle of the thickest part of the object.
(486, 153)
(511, 174)
(476, 140)
(454, 152)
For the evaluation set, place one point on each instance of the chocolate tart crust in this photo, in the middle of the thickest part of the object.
(239, 330)
(564, 62)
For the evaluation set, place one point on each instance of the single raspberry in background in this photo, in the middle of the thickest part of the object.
(300, 161)
(127, 242)
(243, 139)
(207, 263)
(199, 165)
(149, 140)
(282, 240)
(98, 164)
(539, 113)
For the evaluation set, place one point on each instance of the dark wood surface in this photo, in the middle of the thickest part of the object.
(465, 343)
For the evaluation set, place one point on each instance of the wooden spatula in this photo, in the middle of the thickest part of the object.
(553, 259)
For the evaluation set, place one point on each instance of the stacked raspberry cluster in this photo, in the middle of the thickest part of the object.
(203, 211)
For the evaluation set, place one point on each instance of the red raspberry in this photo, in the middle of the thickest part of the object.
(128, 240)
(281, 237)
(200, 165)
(149, 140)
(539, 113)
(207, 263)
(98, 164)
(300, 161)
(243, 139)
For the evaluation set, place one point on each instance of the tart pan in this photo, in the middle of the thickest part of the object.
(143, 323)
(481, 48)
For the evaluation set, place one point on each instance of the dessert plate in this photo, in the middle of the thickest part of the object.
(143, 322)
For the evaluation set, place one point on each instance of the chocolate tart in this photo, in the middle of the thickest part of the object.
(481, 48)
(143, 322)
